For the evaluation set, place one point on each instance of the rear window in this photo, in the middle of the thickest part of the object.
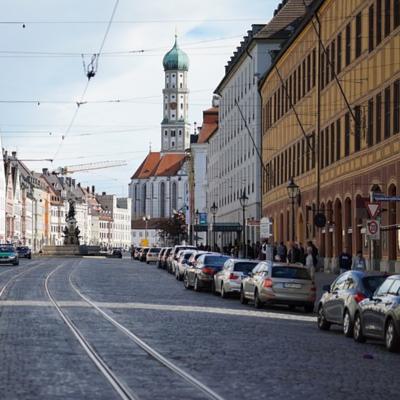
(155, 250)
(290, 273)
(187, 256)
(244, 266)
(371, 283)
(217, 261)
(167, 253)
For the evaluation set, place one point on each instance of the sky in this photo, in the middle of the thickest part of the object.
(44, 45)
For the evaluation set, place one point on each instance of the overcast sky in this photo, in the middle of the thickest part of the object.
(208, 31)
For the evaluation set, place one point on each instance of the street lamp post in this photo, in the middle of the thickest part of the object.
(243, 202)
(146, 219)
(214, 209)
(293, 192)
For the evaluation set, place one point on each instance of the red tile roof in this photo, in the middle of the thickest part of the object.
(210, 124)
(147, 167)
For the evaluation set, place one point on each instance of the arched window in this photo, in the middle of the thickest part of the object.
(174, 196)
(144, 195)
(162, 200)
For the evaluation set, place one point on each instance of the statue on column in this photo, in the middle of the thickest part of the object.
(71, 230)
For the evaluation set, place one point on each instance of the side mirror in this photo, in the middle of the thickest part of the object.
(326, 288)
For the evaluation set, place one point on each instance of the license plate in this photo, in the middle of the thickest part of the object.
(292, 285)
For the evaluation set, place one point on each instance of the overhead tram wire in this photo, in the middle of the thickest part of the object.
(88, 81)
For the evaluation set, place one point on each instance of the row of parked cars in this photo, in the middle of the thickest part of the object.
(365, 305)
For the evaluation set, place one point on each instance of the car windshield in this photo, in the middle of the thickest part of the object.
(290, 273)
(186, 256)
(371, 283)
(215, 261)
(6, 248)
(244, 266)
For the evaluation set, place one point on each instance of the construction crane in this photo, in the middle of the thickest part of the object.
(71, 169)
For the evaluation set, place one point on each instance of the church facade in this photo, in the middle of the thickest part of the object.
(159, 187)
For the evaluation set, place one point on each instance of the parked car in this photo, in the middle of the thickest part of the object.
(24, 252)
(229, 279)
(378, 317)
(196, 254)
(8, 254)
(143, 254)
(173, 256)
(116, 253)
(182, 263)
(160, 255)
(279, 283)
(202, 274)
(339, 303)
(164, 257)
(137, 253)
(152, 254)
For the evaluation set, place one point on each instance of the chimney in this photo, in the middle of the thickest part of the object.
(79, 185)
(45, 171)
(104, 193)
(93, 190)
(87, 189)
(14, 154)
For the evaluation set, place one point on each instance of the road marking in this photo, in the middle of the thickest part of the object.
(163, 307)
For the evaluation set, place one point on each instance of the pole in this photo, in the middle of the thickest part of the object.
(317, 150)
(244, 233)
(293, 221)
(213, 231)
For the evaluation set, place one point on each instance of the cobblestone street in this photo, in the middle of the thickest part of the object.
(231, 349)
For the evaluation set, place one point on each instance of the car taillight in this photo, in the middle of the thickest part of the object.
(359, 296)
(208, 271)
(267, 283)
(233, 276)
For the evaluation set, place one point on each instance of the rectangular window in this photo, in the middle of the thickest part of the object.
(290, 91)
(294, 87)
(333, 48)
(298, 159)
(322, 70)
(387, 17)
(322, 148)
(378, 21)
(304, 72)
(279, 103)
(378, 118)
(357, 128)
(358, 35)
(314, 67)
(396, 107)
(348, 44)
(347, 135)
(332, 145)
(308, 72)
(396, 13)
(338, 139)
(327, 144)
(371, 29)
(387, 113)
(370, 133)
(275, 109)
(313, 151)
(339, 53)
(290, 160)
(299, 82)
(302, 155)
(327, 65)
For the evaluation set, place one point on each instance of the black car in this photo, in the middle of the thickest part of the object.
(116, 253)
(378, 317)
(24, 252)
(201, 275)
(339, 303)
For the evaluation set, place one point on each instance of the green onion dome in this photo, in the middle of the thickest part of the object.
(176, 59)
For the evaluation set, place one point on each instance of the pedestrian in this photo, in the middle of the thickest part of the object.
(314, 252)
(263, 252)
(345, 261)
(282, 252)
(249, 252)
(309, 262)
(294, 253)
(302, 257)
(359, 263)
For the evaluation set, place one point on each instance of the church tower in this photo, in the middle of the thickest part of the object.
(175, 128)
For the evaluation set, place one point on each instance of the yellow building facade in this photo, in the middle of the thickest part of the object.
(336, 87)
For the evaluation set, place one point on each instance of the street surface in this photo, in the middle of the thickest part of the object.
(218, 348)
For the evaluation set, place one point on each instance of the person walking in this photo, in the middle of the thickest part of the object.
(302, 254)
(294, 253)
(345, 261)
(282, 252)
(309, 262)
(359, 263)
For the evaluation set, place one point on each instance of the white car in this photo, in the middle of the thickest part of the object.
(182, 263)
(229, 279)
(152, 254)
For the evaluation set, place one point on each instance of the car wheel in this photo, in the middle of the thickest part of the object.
(323, 324)
(147, 262)
(243, 299)
(224, 295)
(392, 338)
(309, 308)
(357, 330)
(257, 301)
(347, 324)
(196, 286)
(186, 283)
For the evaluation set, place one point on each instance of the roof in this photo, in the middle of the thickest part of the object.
(176, 59)
(157, 164)
(210, 124)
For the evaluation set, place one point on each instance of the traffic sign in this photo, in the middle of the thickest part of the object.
(373, 229)
(373, 209)
(265, 228)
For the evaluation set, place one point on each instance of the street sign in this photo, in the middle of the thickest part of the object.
(320, 220)
(383, 197)
(373, 209)
(265, 228)
(373, 229)
(203, 218)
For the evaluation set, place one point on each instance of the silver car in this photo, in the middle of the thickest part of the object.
(182, 263)
(229, 279)
(152, 254)
(279, 283)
